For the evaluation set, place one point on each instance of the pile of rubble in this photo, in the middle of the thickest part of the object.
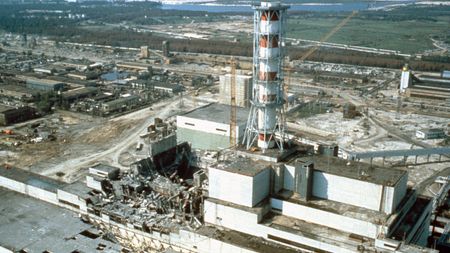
(152, 197)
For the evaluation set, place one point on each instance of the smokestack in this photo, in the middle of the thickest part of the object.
(265, 124)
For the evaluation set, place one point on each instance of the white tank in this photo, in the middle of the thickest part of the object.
(269, 52)
(269, 27)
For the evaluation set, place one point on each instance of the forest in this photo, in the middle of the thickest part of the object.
(53, 20)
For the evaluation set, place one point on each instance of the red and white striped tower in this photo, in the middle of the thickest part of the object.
(265, 124)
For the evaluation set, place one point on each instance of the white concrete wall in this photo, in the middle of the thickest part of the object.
(13, 185)
(261, 186)
(229, 217)
(41, 194)
(324, 246)
(289, 177)
(393, 195)
(4, 250)
(325, 218)
(71, 198)
(203, 125)
(347, 190)
(93, 184)
(231, 187)
(246, 222)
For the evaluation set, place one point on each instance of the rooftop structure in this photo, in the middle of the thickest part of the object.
(266, 124)
(318, 204)
(424, 86)
(208, 127)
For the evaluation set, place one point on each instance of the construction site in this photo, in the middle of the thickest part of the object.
(121, 149)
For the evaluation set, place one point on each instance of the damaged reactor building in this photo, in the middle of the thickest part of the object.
(269, 194)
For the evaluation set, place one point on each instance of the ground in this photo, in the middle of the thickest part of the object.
(84, 140)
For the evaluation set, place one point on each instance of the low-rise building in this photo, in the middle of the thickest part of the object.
(167, 88)
(209, 127)
(45, 85)
(430, 133)
(80, 93)
(120, 104)
(11, 115)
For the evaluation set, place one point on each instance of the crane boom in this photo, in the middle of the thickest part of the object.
(313, 49)
(233, 104)
(328, 35)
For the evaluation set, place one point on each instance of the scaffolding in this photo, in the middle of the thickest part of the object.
(266, 123)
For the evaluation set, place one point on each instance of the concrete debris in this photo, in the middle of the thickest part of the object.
(156, 194)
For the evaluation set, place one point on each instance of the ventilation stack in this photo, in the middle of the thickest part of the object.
(265, 124)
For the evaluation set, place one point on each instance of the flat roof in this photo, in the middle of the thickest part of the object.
(244, 166)
(79, 92)
(46, 82)
(335, 207)
(218, 113)
(77, 188)
(37, 226)
(246, 241)
(354, 170)
(30, 178)
(315, 232)
(105, 168)
(4, 108)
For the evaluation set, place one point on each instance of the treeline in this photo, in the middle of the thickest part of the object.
(135, 12)
(428, 63)
(15, 19)
(129, 38)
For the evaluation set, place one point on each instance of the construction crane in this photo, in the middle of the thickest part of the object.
(233, 108)
(328, 36)
(314, 48)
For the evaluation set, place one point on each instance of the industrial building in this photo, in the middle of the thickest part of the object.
(318, 204)
(80, 93)
(209, 127)
(45, 85)
(266, 123)
(167, 88)
(422, 86)
(162, 87)
(120, 104)
(431, 133)
(221, 178)
(243, 94)
(12, 115)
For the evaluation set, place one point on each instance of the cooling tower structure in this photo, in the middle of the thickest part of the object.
(266, 123)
